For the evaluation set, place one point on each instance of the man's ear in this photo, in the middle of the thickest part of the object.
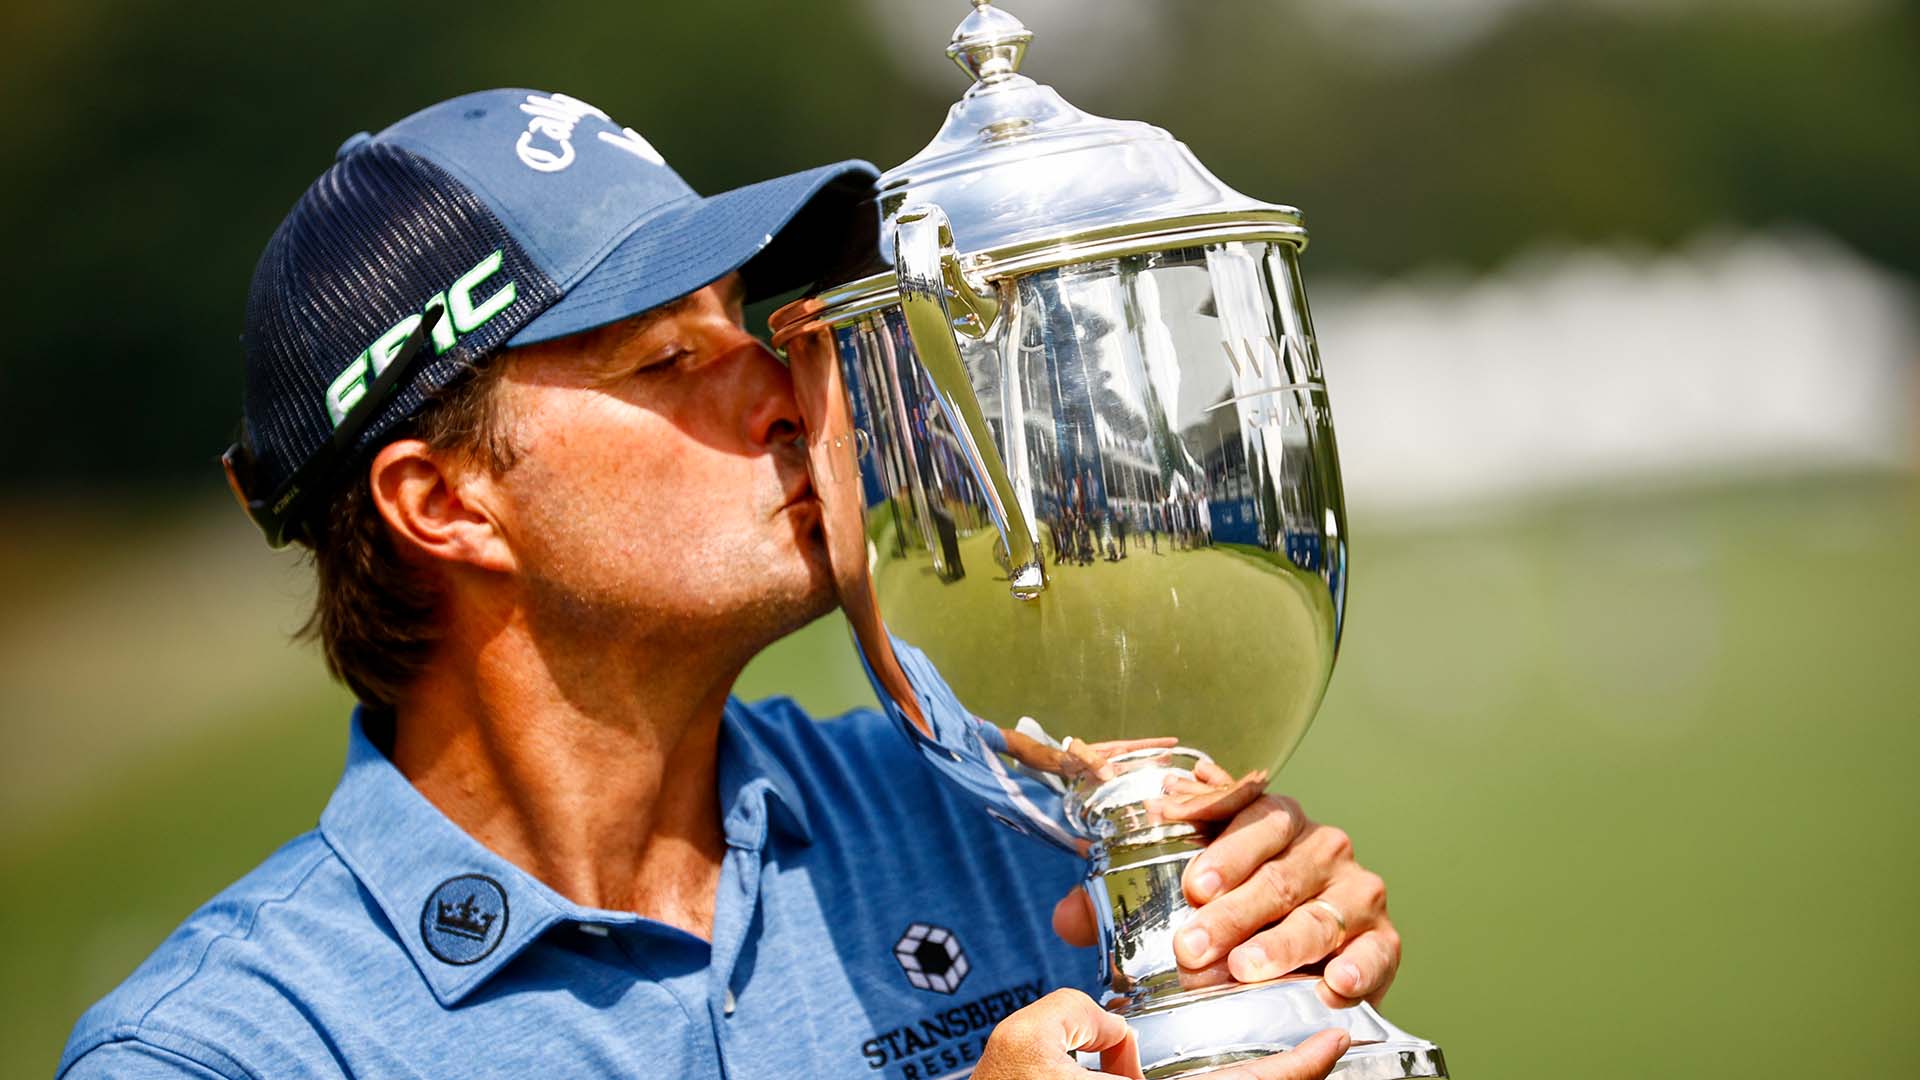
(438, 506)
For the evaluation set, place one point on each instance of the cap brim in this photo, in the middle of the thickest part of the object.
(785, 233)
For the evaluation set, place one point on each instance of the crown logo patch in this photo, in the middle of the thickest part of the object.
(464, 919)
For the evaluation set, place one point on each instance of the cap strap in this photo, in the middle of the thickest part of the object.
(281, 516)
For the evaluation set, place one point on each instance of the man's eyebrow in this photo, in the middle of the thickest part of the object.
(624, 331)
(617, 335)
(667, 310)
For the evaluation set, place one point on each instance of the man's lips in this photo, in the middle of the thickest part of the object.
(802, 494)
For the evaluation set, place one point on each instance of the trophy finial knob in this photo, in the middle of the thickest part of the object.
(989, 44)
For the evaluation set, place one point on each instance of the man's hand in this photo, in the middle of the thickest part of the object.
(1039, 1041)
(1272, 891)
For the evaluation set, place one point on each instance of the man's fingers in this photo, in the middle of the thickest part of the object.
(1311, 1060)
(1312, 930)
(1123, 1060)
(1272, 892)
(1214, 974)
(1212, 802)
(1121, 746)
(1304, 936)
(1258, 833)
(1363, 970)
(1068, 1021)
(1093, 758)
(1073, 920)
(1080, 759)
(1040, 1039)
(1209, 772)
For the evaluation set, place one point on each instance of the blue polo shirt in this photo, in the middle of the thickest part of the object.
(871, 921)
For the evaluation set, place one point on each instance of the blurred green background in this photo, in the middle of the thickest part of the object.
(1632, 749)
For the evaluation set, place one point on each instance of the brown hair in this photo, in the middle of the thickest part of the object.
(375, 614)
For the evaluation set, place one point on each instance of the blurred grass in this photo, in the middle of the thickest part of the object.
(1636, 766)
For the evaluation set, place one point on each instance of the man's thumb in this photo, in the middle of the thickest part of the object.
(1048, 1032)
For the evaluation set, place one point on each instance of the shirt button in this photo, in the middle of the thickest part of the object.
(729, 1003)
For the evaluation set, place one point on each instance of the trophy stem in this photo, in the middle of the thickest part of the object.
(1134, 881)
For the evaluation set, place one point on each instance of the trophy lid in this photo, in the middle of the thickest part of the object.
(1016, 166)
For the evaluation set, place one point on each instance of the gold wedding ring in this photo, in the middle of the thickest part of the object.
(1338, 918)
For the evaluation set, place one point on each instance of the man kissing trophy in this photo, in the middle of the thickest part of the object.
(1084, 511)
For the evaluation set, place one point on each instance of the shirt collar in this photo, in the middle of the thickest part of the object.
(755, 785)
(463, 912)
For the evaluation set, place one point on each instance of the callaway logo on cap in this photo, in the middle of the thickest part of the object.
(501, 218)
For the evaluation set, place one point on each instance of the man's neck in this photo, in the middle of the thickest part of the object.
(604, 790)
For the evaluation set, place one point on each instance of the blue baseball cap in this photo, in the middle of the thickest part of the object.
(497, 219)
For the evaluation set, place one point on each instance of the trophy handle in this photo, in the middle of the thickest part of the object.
(928, 269)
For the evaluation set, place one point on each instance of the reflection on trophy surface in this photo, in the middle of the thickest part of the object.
(1083, 505)
(1190, 533)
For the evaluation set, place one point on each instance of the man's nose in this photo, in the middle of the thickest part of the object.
(772, 416)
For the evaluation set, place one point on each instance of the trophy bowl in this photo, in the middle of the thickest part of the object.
(1082, 501)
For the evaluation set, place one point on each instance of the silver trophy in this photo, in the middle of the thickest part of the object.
(1079, 483)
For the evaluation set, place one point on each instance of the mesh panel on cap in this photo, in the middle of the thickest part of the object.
(380, 233)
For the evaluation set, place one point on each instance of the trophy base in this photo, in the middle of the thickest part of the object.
(1134, 883)
(1194, 1033)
